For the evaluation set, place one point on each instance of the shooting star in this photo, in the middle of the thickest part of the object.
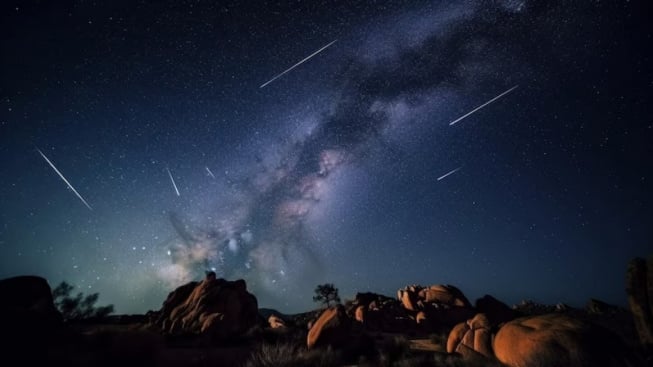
(210, 173)
(173, 182)
(297, 64)
(64, 179)
(483, 105)
(449, 173)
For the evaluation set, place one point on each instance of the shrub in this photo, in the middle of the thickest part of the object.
(79, 307)
(292, 355)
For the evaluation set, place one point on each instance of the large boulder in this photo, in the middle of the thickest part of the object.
(558, 340)
(27, 305)
(639, 288)
(214, 307)
(472, 338)
(332, 328)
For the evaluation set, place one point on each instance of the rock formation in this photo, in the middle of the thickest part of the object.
(543, 340)
(27, 305)
(214, 307)
(639, 288)
(471, 338)
(378, 312)
(557, 340)
(174, 299)
(30, 321)
(331, 328)
(416, 297)
(441, 305)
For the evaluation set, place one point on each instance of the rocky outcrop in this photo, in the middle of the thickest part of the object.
(331, 328)
(471, 339)
(639, 288)
(27, 305)
(214, 307)
(378, 312)
(174, 299)
(543, 340)
(416, 297)
(557, 340)
(440, 305)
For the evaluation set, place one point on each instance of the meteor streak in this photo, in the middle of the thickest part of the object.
(449, 173)
(297, 64)
(173, 182)
(483, 105)
(209, 171)
(64, 179)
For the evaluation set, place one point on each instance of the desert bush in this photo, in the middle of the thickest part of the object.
(292, 355)
(328, 357)
(394, 350)
(453, 360)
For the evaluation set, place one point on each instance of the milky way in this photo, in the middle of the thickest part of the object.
(336, 171)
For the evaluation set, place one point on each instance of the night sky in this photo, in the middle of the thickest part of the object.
(332, 172)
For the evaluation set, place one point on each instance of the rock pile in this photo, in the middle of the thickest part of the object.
(436, 306)
(214, 307)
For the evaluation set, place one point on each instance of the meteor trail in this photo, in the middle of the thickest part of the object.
(209, 171)
(297, 64)
(173, 182)
(483, 105)
(64, 179)
(449, 173)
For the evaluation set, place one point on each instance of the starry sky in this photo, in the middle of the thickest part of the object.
(156, 114)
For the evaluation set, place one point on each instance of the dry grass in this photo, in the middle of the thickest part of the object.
(292, 355)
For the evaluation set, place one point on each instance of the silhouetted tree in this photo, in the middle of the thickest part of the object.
(326, 293)
(79, 307)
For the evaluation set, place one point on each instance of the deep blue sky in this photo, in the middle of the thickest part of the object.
(329, 173)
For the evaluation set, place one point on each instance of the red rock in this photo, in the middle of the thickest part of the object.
(276, 322)
(415, 298)
(557, 340)
(213, 307)
(471, 339)
(331, 328)
(360, 314)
